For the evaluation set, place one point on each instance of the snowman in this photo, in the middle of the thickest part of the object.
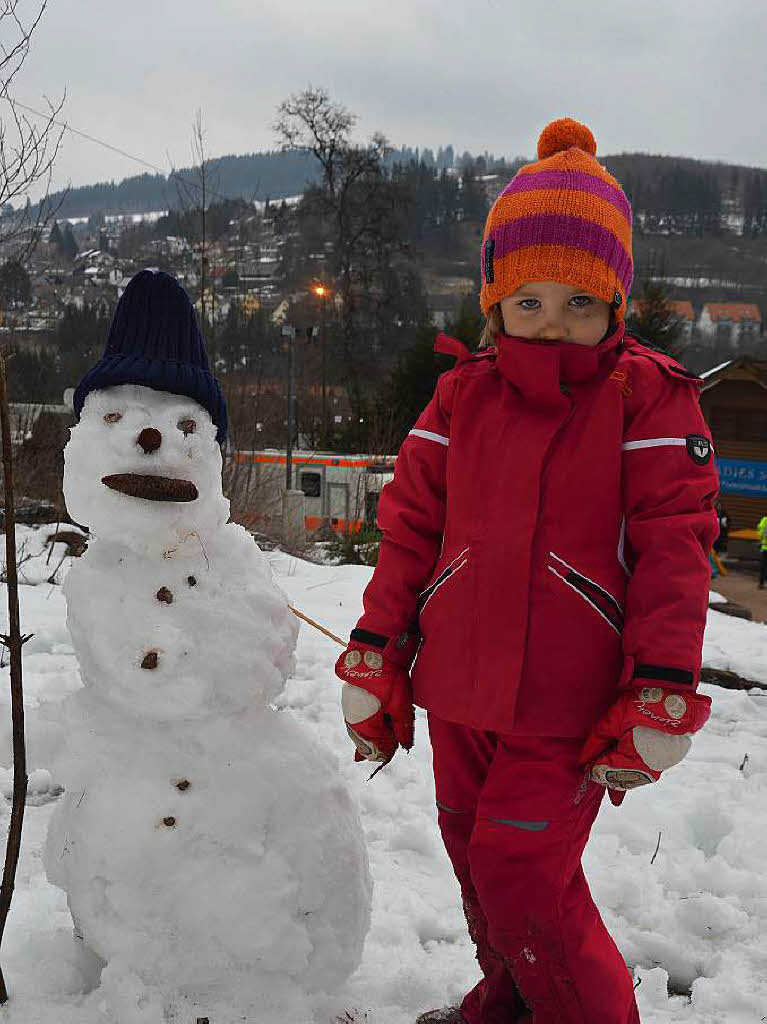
(205, 842)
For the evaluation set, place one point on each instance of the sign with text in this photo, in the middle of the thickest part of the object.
(741, 476)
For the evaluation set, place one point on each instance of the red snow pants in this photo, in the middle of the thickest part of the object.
(515, 814)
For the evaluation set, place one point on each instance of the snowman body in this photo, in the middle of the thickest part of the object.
(205, 841)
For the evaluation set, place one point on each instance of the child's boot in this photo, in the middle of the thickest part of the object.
(495, 999)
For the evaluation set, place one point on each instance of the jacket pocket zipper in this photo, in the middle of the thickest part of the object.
(446, 574)
(592, 593)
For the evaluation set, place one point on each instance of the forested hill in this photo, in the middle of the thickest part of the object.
(679, 195)
(251, 176)
(670, 195)
(262, 176)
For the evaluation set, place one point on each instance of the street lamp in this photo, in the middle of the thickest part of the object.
(289, 332)
(322, 292)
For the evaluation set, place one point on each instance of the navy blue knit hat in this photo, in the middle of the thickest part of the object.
(155, 340)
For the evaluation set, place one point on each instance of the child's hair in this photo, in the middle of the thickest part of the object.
(493, 326)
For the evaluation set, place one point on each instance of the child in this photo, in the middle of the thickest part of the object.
(546, 541)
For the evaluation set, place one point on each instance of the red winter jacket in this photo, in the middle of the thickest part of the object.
(546, 535)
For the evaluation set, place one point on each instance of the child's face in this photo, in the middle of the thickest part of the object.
(550, 311)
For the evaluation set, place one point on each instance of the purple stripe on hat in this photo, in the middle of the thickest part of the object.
(557, 229)
(576, 181)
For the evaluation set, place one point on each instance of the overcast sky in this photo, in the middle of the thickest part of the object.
(679, 77)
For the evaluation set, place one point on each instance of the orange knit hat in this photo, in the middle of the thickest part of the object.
(564, 218)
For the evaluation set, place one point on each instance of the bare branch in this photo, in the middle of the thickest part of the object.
(11, 60)
(310, 122)
(28, 148)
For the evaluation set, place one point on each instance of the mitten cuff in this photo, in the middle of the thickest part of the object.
(644, 672)
(399, 650)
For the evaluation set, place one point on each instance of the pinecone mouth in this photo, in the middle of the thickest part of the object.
(151, 488)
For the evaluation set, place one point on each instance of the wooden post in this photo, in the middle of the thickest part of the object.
(14, 641)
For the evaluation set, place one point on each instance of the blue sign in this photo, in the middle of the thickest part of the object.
(741, 476)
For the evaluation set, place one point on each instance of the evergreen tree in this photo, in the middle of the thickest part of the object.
(467, 326)
(15, 286)
(96, 221)
(755, 205)
(411, 384)
(34, 378)
(69, 247)
(282, 218)
(473, 198)
(64, 241)
(80, 337)
(654, 319)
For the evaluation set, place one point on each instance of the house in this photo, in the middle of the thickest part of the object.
(734, 402)
(729, 323)
(686, 314)
(445, 308)
(682, 310)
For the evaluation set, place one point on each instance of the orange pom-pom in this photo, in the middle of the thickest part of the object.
(564, 133)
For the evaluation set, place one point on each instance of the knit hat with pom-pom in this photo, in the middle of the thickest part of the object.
(564, 218)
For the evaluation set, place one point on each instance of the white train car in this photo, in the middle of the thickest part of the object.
(341, 491)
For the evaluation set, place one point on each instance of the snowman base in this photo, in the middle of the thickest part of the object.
(123, 998)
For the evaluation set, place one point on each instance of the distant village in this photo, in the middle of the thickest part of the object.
(99, 270)
(247, 273)
(247, 266)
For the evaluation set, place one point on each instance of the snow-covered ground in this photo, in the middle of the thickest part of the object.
(679, 870)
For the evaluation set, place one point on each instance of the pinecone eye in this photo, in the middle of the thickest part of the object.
(188, 426)
(113, 417)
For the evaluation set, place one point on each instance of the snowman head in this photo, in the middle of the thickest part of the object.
(143, 462)
(144, 467)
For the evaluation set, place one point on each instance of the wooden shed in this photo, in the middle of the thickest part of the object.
(734, 402)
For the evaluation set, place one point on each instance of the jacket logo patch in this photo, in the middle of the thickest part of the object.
(698, 448)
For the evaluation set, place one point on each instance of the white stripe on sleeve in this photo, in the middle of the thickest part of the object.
(431, 436)
(655, 442)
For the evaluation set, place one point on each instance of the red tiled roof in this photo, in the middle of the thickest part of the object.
(733, 311)
(681, 309)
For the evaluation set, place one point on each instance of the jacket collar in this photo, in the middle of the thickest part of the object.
(540, 369)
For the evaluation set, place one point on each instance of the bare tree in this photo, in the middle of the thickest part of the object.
(310, 122)
(195, 193)
(198, 191)
(28, 149)
(360, 208)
